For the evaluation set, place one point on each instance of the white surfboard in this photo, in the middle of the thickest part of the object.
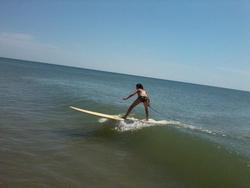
(112, 117)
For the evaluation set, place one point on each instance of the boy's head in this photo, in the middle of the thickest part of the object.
(139, 86)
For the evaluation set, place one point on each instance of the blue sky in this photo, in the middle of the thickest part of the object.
(204, 42)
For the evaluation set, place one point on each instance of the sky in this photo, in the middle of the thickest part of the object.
(197, 41)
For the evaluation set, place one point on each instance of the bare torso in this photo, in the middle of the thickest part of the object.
(142, 93)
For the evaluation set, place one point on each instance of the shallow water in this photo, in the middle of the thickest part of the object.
(205, 141)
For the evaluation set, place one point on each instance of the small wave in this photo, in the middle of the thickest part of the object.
(135, 124)
(132, 124)
(201, 130)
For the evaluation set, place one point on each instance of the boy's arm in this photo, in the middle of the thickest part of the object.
(125, 98)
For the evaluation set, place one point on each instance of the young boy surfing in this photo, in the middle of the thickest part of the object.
(142, 98)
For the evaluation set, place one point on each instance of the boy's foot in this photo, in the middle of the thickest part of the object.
(124, 117)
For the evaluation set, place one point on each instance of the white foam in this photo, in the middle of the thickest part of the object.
(135, 124)
(132, 124)
(102, 120)
(200, 129)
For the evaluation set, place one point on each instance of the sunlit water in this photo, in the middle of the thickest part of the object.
(200, 138)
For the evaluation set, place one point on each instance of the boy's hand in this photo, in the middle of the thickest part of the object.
(124, 98)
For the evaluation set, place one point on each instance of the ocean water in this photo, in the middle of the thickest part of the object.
(200, 138)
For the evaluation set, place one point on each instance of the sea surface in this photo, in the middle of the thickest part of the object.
(204, 142)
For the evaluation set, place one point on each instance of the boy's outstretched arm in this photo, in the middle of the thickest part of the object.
(125, 98)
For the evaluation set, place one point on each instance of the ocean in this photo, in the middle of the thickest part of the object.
(205, 142)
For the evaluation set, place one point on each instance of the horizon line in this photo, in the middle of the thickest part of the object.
(157, 78)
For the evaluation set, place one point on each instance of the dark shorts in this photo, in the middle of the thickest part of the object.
(143, 99)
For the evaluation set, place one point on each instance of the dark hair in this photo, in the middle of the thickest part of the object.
(139, 86)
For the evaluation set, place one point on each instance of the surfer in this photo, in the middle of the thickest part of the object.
(142, 98)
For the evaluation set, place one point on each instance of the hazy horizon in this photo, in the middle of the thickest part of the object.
(122, 73)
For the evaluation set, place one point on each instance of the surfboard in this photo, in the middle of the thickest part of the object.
(98, 114)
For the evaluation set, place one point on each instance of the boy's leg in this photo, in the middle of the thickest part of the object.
(146, 109)
(135, 103)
